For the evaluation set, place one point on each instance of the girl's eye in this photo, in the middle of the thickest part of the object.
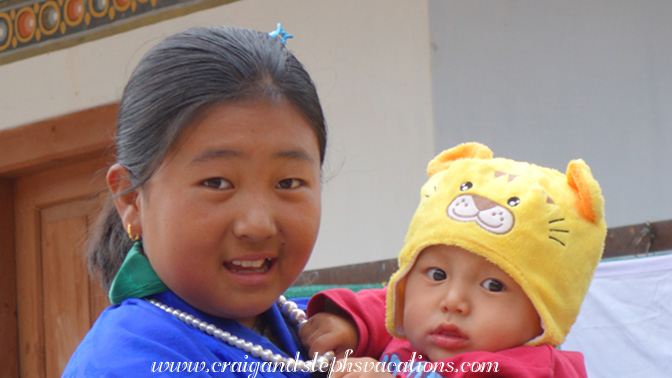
(290, 183)
(492, 285)
(217, 183)
(436, 274)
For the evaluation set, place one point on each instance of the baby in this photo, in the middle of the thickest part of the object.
(497, 260)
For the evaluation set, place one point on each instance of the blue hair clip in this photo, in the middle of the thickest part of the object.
(280, 32)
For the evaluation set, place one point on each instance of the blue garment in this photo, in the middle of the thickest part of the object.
(137, 339)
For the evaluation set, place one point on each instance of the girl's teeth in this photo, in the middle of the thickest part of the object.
(249, 266)
(249, 263)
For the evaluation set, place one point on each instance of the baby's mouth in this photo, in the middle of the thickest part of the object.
(249, 266)
(449, 334)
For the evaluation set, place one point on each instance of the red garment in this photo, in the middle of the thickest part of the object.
(367, 309)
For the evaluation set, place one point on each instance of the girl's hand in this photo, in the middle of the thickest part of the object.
(324, 332)
(364, 367)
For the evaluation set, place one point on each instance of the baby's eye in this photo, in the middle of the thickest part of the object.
(290, 183)
(436, 274)
(217, 183)
(492, 285)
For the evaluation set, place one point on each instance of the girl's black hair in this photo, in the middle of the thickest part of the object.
(175, 81)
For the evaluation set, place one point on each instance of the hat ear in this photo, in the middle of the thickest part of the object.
(590, 202)
(471, 150)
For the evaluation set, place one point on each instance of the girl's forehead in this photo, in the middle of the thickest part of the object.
(247, 127)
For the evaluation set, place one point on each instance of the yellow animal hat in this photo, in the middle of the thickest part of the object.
(545, 229)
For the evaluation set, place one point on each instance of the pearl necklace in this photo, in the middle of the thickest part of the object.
(288, 308)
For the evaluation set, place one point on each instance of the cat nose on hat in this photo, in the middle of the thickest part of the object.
(483, 203)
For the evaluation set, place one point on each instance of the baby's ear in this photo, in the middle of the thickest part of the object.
(590, 202)
(471, 150)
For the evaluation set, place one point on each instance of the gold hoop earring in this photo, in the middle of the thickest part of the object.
(131, 235)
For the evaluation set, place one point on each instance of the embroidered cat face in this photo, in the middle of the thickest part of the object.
(495, 217)
(543, 228)
(492, 200)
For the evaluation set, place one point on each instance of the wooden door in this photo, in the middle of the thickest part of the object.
(57, 301)
(51, 175)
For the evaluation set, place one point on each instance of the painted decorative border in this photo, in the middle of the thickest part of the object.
(38, 26)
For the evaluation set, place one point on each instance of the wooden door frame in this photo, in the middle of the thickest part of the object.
(29, 149)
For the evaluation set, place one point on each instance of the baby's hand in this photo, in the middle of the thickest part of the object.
(364, 367)
(324, 332)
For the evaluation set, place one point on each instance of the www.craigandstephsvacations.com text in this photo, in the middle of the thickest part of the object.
(412, 368)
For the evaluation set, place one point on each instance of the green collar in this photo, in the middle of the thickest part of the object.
(136, 278)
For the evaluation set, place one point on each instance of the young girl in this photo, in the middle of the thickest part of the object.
(215, 210)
